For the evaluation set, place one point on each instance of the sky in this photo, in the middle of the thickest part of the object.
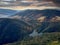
(29, 4)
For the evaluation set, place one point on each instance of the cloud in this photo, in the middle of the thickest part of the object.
(57, 2)
(24, 4)
(8, 0)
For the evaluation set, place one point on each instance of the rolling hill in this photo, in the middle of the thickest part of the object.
(48, 19)
(12, 30)
(21, 24)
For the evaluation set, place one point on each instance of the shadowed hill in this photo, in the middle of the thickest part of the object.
(12, 30)
(46, 12)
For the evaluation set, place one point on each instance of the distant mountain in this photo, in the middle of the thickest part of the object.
(48, 19)
(36, 14)
(7, 12)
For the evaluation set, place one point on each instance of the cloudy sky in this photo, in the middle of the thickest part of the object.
(29, 4)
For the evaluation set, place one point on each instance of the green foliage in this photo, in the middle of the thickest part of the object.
(45, 39)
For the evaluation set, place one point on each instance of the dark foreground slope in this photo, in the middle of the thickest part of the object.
(12, 30)
(45, 39)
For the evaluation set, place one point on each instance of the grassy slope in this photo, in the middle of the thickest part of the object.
(45, 39)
